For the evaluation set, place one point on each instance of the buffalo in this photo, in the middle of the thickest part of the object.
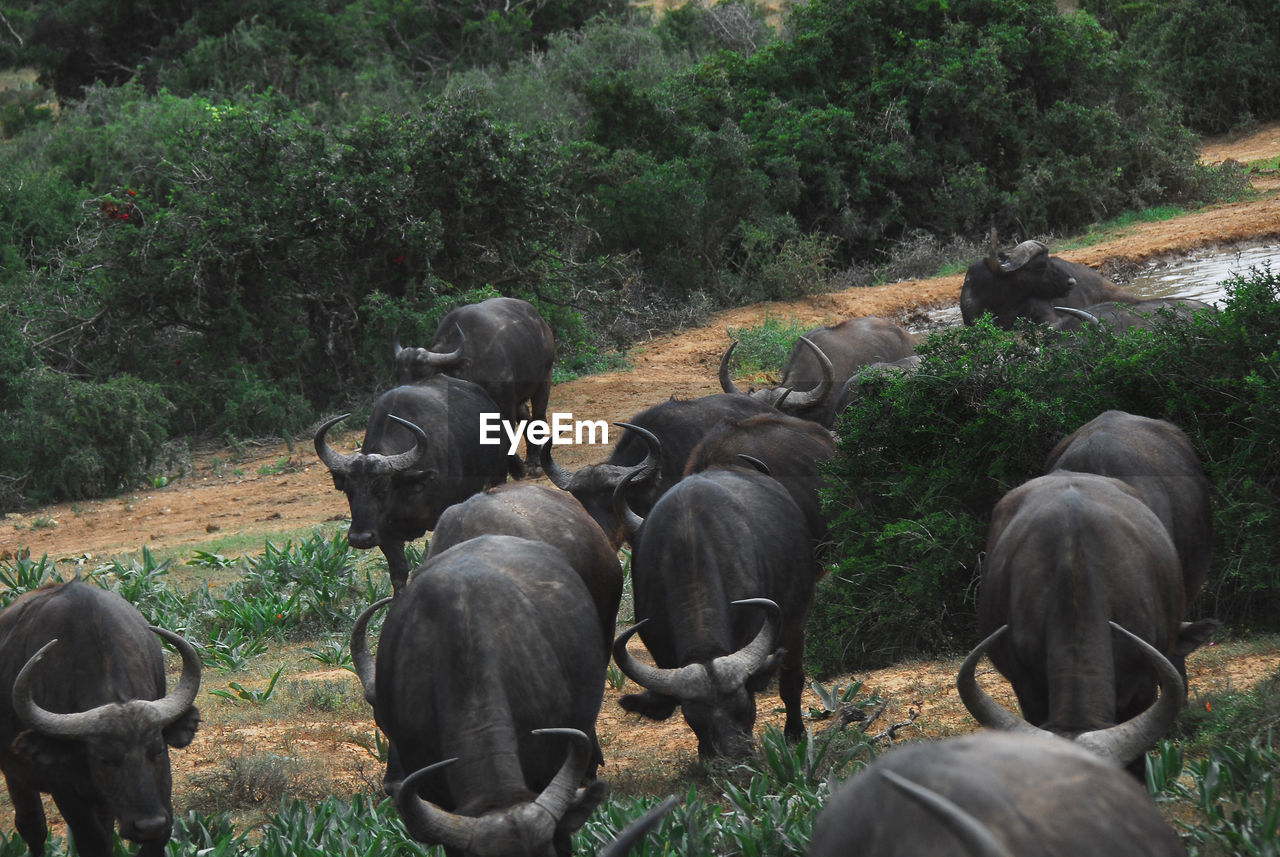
(852, 389)
(721, 571)
(791, 450)
(992, 794)
(421, 454)
(1156, 459)
(822, 360)
(1028, 283)
(546, 515)
(502, 344)
(85, 717)
(490, 656)
(653, 451)
(1123, 316)
(1069, 556)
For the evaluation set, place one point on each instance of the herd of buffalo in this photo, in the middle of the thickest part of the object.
(491, 663)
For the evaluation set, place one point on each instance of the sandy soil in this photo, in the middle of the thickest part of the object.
(260, 491)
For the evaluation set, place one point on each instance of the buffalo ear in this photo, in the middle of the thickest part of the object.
(655, 706)
(182, 731)
(1193, 635)
(759, 680)
(43, 751)
(585, 802)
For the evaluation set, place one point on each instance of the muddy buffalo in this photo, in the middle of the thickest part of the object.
(1028, 283)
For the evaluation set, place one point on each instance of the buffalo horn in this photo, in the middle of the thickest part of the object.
(520, 829)
(1119, 744)
(563, 479)
(360, 657)
(160, 712)
(1078, 313)
(726, 382)
(332, 459)
(1021, 255)
(402, 461)
(622, 509)
(698, 680)
(447, 358)
(809, 398)
(755, 462)
(984, 709)
(976, 837)
(1126, 741)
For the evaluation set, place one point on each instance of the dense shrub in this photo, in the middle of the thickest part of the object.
(923, 458)
(1218, 59)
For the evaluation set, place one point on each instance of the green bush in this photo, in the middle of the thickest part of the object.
(68, 439)
(923, 458)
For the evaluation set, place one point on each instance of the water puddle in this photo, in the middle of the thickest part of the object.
(1199, 275)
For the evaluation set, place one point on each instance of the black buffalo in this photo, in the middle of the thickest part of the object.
(502, 344)
(791, 450)
(421, 454)
(85, 718)
(1122, 316)
(1068, 555)
(546, 515)
(822, 360)
(1157, 460)
(491, 657)
(992, 795)
(721, 571)
(852, 389)
(654, 456)
(1028, 283)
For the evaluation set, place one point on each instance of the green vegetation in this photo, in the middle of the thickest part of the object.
(923, 458)
(236, 211)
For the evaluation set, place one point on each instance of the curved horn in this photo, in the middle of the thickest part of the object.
(161, 712)
(1127, 741)
(638, 828)
(559, 477)
(976, 837)
(622, 509)
(1079, 313)
(732, 671)
(726, 382)
(697, 680)
(520, 829)
(361, 659)
(984, 709)
(447, 358)
(176, 702)
(329, 456)
(809, 398)
(755, 462)
(402, 461)
(1021, 255)
(653, 458)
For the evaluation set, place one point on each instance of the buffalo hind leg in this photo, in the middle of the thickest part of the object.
(538, 411)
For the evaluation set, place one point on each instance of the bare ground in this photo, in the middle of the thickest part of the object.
(262, 491)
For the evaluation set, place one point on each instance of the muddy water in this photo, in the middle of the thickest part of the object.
(1199, 276)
